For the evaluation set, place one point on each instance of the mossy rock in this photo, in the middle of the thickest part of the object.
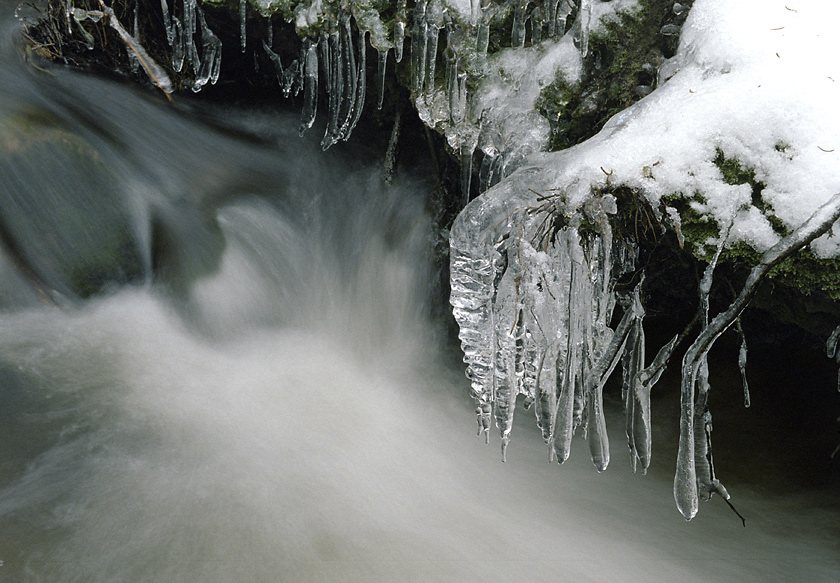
(623, 59)
(64, 218)
(803, 271)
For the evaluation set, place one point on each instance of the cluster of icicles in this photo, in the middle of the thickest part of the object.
(340, 61)
(181, 35)
(533, 283)
(534, 303)
(533, 293)
(335, 53)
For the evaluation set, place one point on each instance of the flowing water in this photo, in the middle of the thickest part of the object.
(253, 390)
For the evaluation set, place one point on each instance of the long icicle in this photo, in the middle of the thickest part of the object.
(685, 482)
(310, 85)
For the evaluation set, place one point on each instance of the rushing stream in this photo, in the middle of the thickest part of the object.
(255, 392)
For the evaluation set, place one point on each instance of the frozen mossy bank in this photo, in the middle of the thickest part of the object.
(733, 150)
(499, 82)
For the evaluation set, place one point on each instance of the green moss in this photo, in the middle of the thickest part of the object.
(809, 274)
(735, 173)
(624, 55)
(695, 227)
(803, 271)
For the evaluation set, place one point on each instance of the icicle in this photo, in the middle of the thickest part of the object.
(685, 479)
(507, 318)
(571, 381)
(275, 60)
(360, 86)
(167, 22)
(517, 32)
(291, 79)
(134, 64)
(585, 17)
(347, 102)
(484, 171)
(243, 16)
(310, 85)
(178, 46)
(189, 17)
(269, 30)
(695, 378)
(432, 36)
(483, 34)
(451, 76)
(192, 52)
(382, 56)
(599, 445)
(550, 15)
(645, 381)
(537, 20)
(742, 361)
(399, 30)
(324, 62)
(336, 86)
(476, 271)
(702, 432)
(631, 363)
(563, 11)
(466, 153)
(418, 48)
(211, 58)
(546, 396)
(459, 112)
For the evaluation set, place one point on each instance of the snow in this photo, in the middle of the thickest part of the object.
(756, 81)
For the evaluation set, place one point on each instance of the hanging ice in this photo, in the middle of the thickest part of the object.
(310, 85)
(211, 59)
(534, 298)
(206, 64)
(399, 30)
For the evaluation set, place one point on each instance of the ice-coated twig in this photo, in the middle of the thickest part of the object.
(685, 480)
(155, 72)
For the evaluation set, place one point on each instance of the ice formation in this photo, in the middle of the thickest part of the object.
(481, 100)
(181, 35)
(534, 267)
(760, 88)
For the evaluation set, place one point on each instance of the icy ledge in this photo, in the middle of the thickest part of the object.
(533, 261)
